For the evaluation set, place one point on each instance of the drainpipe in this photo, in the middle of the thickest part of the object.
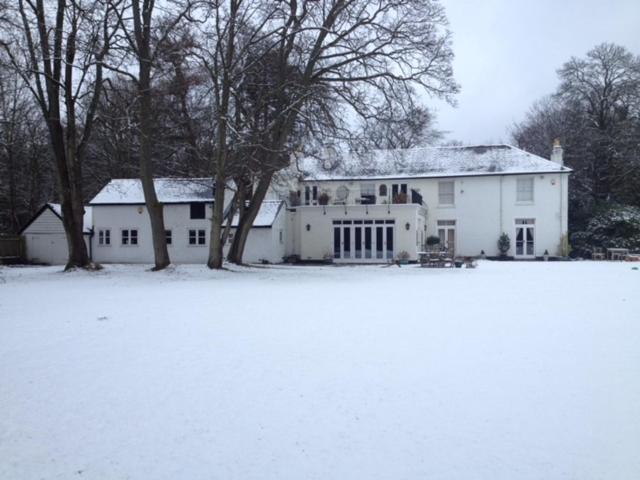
(501, 208)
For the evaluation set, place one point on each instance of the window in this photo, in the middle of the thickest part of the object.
(168, 236)
(104, 237)
(197, 211)
(368, 193)
(382, 190)
(399, 193)
(446, 195)
(281, 235)
(130, 237)
(197, 237)
(525, 190)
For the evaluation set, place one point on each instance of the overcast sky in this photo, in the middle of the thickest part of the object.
(508, 51)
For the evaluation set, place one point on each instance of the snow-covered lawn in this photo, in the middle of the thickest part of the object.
(509, 371)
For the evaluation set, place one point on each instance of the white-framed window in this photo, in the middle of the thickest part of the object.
(524, 189)
(446, 192)
(104, 237)
(168, 235)
(197, 237)
(129, 236)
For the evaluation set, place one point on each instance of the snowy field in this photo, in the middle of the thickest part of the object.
(509, 371)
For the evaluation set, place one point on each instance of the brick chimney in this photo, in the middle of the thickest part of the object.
(556, 152)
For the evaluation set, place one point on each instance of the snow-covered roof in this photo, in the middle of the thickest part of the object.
(429, 162)
(266, 215)
(56, 208)
(169, 190)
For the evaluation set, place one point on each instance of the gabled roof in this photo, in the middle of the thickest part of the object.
(128, 191)
(430, 162)
(56, 208)
(266, 215)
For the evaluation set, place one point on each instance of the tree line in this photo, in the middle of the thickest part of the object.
(595, 112)
(96, 89)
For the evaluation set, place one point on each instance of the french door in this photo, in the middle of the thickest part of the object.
(447, 234)
(525, 237)
(363, 240)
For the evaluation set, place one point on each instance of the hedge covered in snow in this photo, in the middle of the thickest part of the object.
(613, 226)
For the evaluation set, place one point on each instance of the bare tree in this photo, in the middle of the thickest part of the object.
(596, 115)
(58, 50)
(143, 38)
(338, 55)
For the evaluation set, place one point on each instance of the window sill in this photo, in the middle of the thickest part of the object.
(448, 205)
(524, 203)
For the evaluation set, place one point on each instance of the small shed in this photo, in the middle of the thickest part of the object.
(45, 238)
(266, 241)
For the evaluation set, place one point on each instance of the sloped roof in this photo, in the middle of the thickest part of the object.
(128, 191)
(56, 208)
(430, 162)
(266, 215)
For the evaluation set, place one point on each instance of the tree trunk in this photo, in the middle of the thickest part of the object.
(247, 216)
(154, 207)
(216, 256)
(71, 202)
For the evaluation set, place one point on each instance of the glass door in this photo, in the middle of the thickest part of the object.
(525, 238)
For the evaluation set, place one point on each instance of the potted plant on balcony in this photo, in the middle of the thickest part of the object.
(400, 197)
(403, 257)
(324, 198)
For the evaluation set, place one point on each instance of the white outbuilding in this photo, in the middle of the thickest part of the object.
(44, 235)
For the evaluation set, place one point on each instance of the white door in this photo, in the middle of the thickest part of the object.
(525, 238)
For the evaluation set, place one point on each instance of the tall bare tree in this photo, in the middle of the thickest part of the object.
(333, 56)
(58, 49)
(144, 37)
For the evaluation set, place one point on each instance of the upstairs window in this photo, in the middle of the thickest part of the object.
(368, 193)
(446, 192)
(197, 237)
(130, 237)
(168, 236)
(525, 190)
(383, 190)
(104, 237)
(197, 211)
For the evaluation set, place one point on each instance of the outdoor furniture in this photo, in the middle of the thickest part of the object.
(598, 254)
(617, 253)
(435, 259)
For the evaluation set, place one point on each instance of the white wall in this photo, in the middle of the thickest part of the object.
(46, 241)
(317, 242)
(484, 207)
(263, 243)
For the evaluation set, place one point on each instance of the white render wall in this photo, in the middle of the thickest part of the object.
(262, 244)
(315, 243)
(484, 207)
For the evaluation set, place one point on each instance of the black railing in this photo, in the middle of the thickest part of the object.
(416, 198)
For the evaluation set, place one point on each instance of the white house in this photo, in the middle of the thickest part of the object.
(364, 209)
(45, 238)
(371, 208)
(122, 229)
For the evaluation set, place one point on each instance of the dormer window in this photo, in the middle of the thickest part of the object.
(197, 211)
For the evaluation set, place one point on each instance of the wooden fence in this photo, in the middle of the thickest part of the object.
(12, 246)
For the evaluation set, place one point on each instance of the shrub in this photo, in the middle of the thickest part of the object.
(433, 240)
(504, 244)
(612, 226)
